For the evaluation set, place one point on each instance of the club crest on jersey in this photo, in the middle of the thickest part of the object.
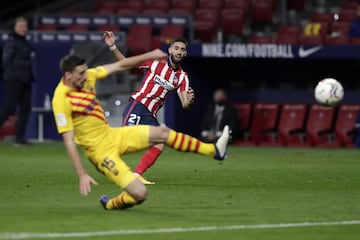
(175, 80)
(164, 83)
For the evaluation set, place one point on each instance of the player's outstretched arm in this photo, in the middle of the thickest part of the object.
(85, 180)
(110, 41)
(134, 61)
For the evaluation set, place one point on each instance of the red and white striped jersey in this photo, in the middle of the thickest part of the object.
(160, 79)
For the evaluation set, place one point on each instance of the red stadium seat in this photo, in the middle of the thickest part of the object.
(340, 27)
(154, 11)
(204, 31)
(261, 39)
(107, 4)
(163, 5)
(262, 11)
(297, 5)
(232, 21)
(292, 123)
(167, 33)
(285, 38)
(78, 27)
(341, 39)
(263, 124)
(290, 29)
(319, 125)
(8, 129)
(349, 4)
(105, 11)
(347, 15)
(188, 5)
(311, 39)
(344, 127)
(127, 11)
(243, 5)
(139, 38)
(209, 15)
(244, 111)
(135, 5)
(345, 123)
(108, 27)
(47, 27)
(355, 41)
(206, 24)
(181, 11)
(212, 4)
(326, 17)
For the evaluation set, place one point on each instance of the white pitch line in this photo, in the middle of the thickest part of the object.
(24, 235)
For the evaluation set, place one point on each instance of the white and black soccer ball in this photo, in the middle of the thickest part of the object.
(329, 92)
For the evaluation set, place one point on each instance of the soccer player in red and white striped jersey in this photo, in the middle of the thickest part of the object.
(160, 79)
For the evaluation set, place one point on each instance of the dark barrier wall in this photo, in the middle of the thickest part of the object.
(255, 80)
(260, 80)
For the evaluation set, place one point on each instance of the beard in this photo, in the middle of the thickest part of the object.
(172, 58)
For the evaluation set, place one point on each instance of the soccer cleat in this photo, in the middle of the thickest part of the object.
(104, 200)
(144, 181)
(222, 143)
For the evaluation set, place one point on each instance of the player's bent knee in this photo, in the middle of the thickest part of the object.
(164, 133)
(159, 134)
(141, 195)
(137, 190)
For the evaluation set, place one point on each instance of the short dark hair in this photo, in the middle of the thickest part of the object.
(179, 39)
(70, 62)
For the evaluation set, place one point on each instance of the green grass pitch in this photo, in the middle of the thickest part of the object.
(256, 193)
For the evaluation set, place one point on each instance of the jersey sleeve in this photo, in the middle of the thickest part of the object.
(97, 73)
(184, 83)
(146, 64)
(62, 113)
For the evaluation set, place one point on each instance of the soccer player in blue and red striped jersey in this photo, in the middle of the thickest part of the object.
(160, 79)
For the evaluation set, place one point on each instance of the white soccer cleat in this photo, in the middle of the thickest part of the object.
(143, 180)
(222, 143)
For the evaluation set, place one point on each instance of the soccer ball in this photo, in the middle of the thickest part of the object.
(329, 92)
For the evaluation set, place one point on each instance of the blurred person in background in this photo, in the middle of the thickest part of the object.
(354, 29)
(160, 79)
(218, 114)
(18, 77)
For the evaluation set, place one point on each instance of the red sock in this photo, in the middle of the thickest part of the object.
(147, 160)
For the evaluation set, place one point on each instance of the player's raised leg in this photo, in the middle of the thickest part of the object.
(186, 143)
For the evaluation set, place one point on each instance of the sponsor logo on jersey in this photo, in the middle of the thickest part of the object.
(164, 83)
